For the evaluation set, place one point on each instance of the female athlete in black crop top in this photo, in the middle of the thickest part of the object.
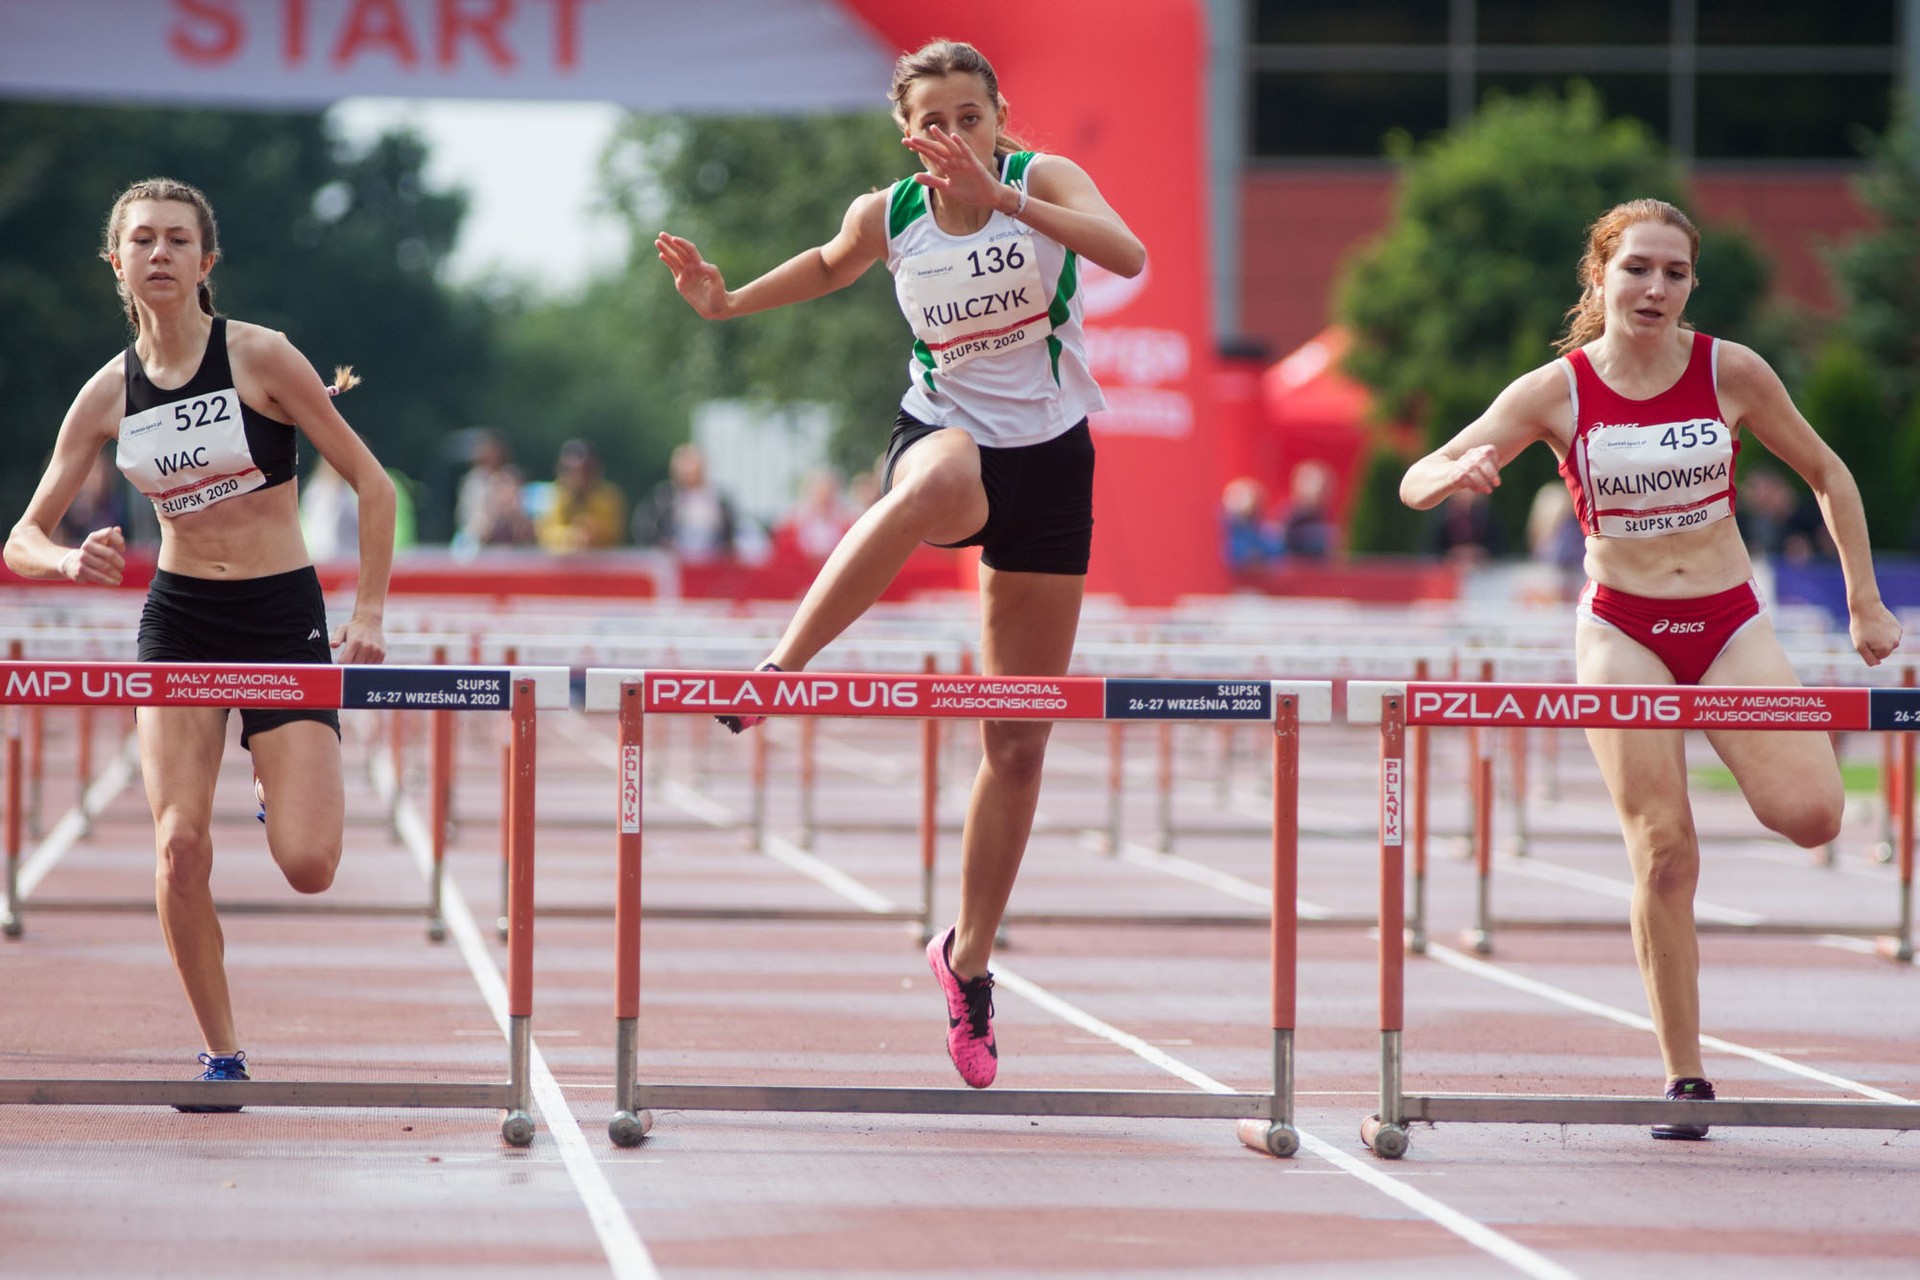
(202, 413)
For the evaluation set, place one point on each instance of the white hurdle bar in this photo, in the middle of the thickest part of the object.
(1397, 707)
(519, 690)
(1265, 1119)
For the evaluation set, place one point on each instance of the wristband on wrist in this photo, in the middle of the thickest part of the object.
(1020, 207)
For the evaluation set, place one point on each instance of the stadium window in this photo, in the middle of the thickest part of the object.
(1343, 113)
(1570, 22)
(1644, 96)
(1350, 22)
(1789, 117)
(1797, 22)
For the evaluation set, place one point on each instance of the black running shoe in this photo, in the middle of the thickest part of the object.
(219, 1066)
(1688, 1089)
(740, 724)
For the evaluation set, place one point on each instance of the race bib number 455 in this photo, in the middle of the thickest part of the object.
(973, 301)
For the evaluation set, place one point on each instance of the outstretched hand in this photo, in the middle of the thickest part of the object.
(953, 168)
(1875, 632)
(698, 280)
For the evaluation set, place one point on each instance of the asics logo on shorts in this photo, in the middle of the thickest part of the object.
(314, 634)
(1667, 626)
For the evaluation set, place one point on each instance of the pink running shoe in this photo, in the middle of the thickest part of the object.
(969, 1015)
(740, 724)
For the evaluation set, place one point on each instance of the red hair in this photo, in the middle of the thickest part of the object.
(1587, 318)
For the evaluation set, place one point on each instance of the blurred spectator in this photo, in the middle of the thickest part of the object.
(1779, 523)
(1307, 530)
(329, 514)
(812, 529)
(687, 515)
(1553, 534)
(586, 510)
(863, 490)
(1555, 544)
(1248, 538)
(100, 504)
(488, 456)
(1466, 534)
(502, 519)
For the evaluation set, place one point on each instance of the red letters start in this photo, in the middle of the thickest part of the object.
(446, 34)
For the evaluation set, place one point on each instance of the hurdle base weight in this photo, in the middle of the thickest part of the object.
(1276, 1139)
(1388, 1141)
(627, 1128)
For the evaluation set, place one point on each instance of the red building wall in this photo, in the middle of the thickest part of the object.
(1297, 227)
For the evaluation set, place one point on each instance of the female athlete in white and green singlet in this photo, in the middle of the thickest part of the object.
(990, 448)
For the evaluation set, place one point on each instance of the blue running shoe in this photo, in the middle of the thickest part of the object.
(219, 1066)
(1687, 1089)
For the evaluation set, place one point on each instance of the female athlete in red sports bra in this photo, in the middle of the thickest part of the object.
(1644, 414)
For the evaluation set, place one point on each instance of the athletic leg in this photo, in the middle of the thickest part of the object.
(1646, 774)
(298, 764)
(936, 497)
(1027, 629)
(1790, 778)
(180, 749)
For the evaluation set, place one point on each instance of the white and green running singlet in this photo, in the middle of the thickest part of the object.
(998, 349)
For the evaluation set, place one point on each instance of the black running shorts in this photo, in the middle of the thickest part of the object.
(281, 618)
(1039, 499)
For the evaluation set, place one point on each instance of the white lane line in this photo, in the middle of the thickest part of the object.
(705, 808)
(792, 855)
(1474, 1233)
(1880, 873)
(870, 765)
(104, 790)
(1621, 890)
(1201, 874)
(1477, 1234)
(626, 1253)
(1640, 1022)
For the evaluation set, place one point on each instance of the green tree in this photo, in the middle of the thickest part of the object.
(626, 361)
(341, 250)
(1469, 285)
(1845, 399)
(1865, 397)
(1878, 272)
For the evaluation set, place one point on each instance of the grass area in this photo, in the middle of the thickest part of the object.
(1861, 777)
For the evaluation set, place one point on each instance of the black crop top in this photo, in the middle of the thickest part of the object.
(195, 445)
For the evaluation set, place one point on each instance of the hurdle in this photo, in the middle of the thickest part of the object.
(1265, 1119)
(14, 911)
(1397, 707)
(520, 691)
(1894, 937)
